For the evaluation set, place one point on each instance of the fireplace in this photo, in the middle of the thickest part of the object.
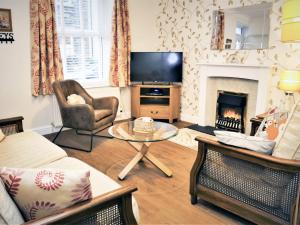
(231, 111)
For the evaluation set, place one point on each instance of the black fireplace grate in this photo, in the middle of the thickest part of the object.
(230, 111)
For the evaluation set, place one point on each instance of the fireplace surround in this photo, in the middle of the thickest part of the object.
(254, 78)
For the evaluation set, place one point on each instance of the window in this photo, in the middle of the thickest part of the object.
(82, 26)
(241, 34)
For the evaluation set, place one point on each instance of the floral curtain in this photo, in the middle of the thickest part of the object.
(120, 52)
(217, 40)
(46, 64)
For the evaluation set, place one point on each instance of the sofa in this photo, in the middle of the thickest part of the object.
(110, 203)
(264, 189)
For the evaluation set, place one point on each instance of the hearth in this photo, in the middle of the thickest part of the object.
(231, 111)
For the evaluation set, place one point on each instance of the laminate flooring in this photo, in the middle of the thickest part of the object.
(161, 200)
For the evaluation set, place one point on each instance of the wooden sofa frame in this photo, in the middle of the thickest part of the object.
(117, 202)
(244, 210)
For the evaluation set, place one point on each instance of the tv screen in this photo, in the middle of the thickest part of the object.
(156, 67)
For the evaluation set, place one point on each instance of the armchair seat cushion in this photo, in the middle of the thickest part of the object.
(102, 113)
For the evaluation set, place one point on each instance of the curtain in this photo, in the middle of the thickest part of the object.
(217, 41)
(120, 51)
(46, 64)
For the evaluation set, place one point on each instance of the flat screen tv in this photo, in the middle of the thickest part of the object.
(156, 67)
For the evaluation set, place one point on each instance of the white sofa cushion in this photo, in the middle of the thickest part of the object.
(41, 192)
(75, 99)
(100, 182)
(9, 213)
(28, 150)
(257, 144)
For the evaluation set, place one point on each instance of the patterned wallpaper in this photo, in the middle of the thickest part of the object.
(186, 25)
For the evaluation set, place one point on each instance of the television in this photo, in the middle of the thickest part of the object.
(164, 67)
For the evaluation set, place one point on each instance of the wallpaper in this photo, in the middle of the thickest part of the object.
(186, 25)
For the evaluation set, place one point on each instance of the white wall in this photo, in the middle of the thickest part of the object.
(144, 31)
(15, 77)
(15, 85)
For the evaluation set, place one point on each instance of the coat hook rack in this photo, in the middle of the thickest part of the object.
(6, 38)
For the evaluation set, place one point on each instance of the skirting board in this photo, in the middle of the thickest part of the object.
(51, 129)
(123, 116)
(45, 130)
(189, 118)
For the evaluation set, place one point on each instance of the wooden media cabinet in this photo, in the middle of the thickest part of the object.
(155, 101)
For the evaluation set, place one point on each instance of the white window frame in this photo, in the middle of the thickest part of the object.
(101, 30)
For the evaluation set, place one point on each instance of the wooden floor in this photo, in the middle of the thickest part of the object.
(161, 200)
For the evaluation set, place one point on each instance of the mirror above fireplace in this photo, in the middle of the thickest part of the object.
(241, 28)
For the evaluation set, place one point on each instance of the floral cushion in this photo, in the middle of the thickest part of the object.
(42, 192)
(272, 126)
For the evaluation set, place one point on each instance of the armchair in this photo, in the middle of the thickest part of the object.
(260, 188)
(94, 116)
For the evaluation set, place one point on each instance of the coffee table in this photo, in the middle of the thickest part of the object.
(141, 143)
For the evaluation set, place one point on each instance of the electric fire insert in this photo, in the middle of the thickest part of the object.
(231, 111)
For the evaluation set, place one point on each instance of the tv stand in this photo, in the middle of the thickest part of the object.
(156, 101)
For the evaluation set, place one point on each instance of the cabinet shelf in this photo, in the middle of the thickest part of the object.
(154, 96)
(164, 106)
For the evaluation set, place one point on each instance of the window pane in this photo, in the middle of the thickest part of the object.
(79, 26)
(78, 14)
(86, 14)
(71, 14)
(81, 62)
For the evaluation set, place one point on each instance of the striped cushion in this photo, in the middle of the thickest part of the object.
(28, 150)
(288, 146)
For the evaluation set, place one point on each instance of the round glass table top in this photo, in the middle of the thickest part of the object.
(124, 131)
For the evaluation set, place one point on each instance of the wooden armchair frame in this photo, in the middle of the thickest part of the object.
(237, 207)
(14, 122)
(117, 202)
(85, 212)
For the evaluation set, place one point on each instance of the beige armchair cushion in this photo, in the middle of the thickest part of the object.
(288, 146)
(102, 113)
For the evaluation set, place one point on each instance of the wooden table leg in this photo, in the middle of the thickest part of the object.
(130, 165)
(158, 164)
(142, 149)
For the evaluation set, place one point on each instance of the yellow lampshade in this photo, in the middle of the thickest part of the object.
(290, 27)
(289, 81)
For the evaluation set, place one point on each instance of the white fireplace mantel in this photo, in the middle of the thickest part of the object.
(261, 74)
